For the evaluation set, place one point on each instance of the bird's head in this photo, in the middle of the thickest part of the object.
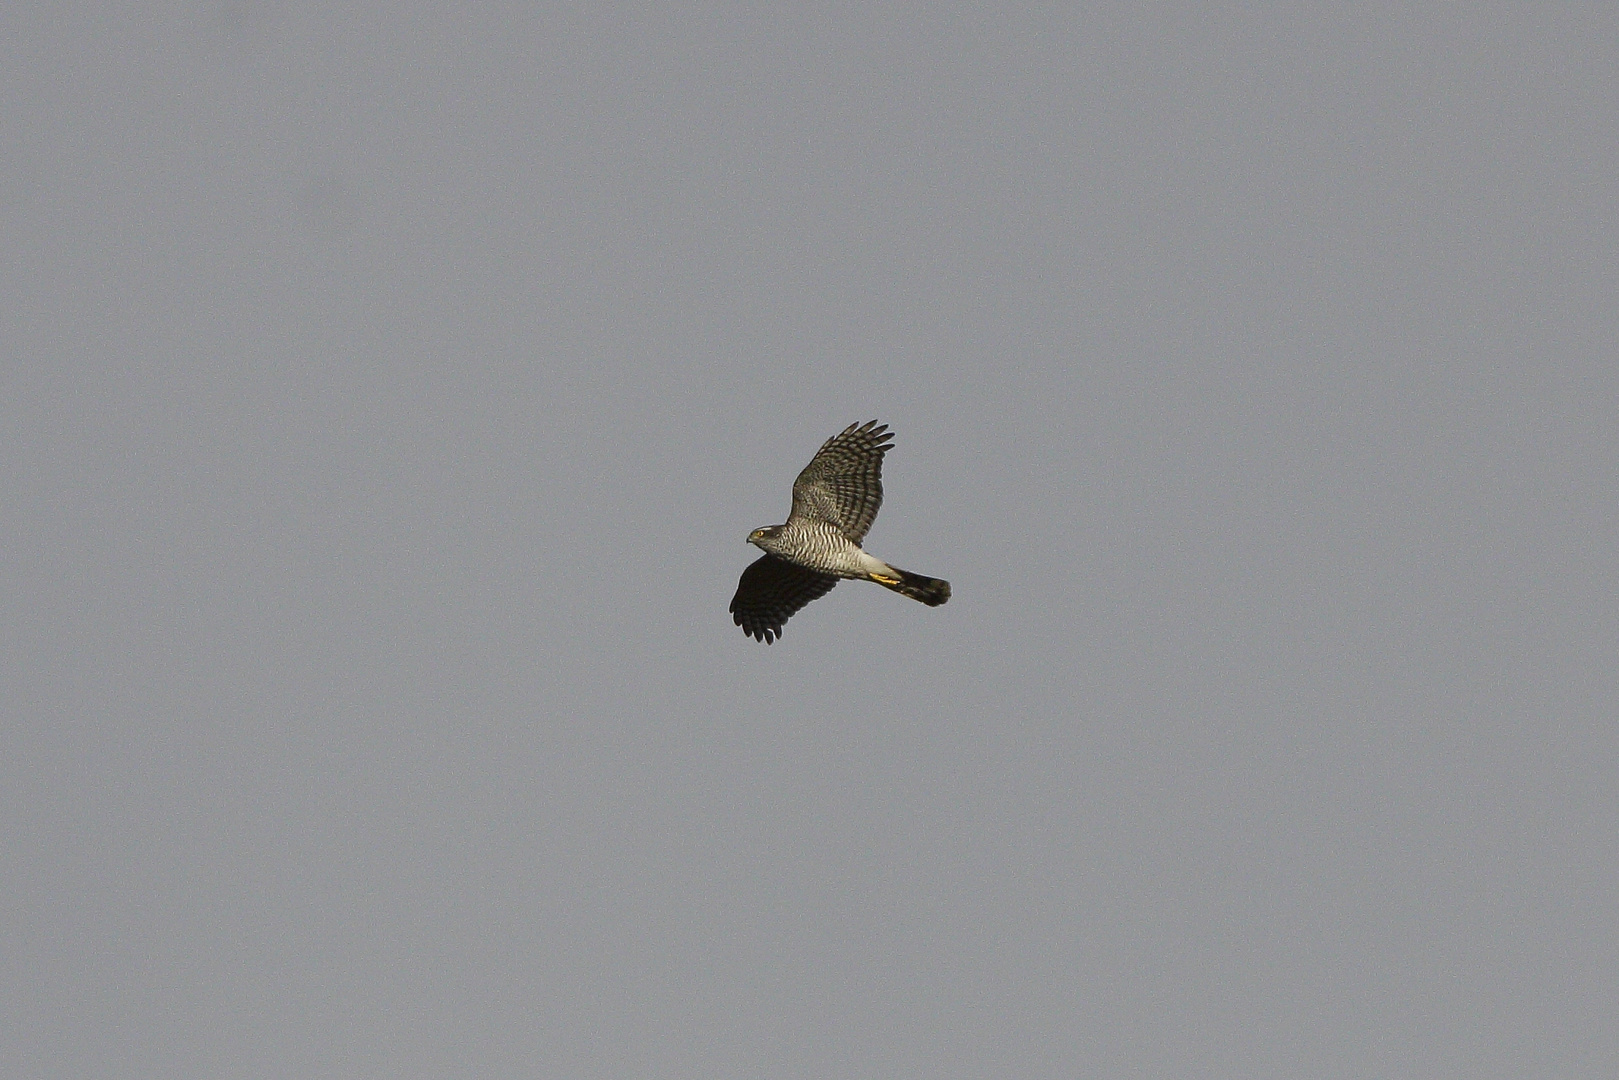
(763, 536)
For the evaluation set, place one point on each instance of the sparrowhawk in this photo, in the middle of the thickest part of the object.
(835, 500)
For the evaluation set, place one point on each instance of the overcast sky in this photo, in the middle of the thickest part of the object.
(388, 391)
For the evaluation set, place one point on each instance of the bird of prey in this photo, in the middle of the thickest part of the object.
(835, 500)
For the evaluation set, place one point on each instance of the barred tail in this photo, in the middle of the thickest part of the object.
(931, 591)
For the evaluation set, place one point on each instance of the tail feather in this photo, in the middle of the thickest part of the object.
(931, 591)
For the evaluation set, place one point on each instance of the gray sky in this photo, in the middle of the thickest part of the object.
(388, 392)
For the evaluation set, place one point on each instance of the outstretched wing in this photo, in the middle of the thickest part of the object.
(843, 483)
(771, 591)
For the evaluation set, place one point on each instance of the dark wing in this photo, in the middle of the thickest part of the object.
(771, 592)
(843, 483)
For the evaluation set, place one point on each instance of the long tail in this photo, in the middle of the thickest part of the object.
(930, 590)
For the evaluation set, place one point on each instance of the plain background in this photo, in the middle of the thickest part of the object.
(388, 391)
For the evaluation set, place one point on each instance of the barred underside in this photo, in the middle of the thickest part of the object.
(820, 546)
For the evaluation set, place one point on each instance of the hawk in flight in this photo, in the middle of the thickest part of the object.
(835, 500)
